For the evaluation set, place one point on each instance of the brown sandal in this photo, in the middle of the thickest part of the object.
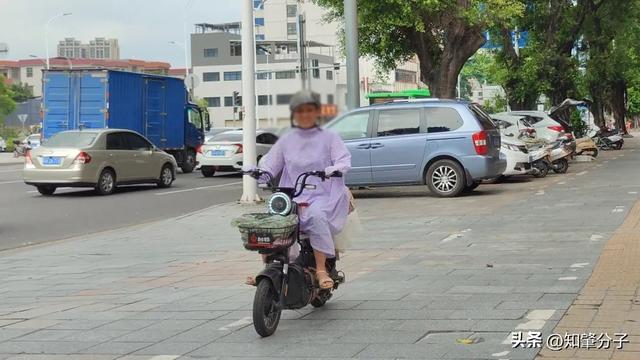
(324, 282)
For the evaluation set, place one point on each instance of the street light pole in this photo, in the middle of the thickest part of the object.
(249, 184)
(353, 56)
(46, 34)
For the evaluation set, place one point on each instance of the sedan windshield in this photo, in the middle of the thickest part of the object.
(72, 139)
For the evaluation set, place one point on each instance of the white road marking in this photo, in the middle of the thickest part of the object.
(618, 209)
(596, 237)
(198, 188)
(562, 182)
(164, 357)
(536, 320)
(633, 192)
(451, 237)
(582, 173)
(11, 182)
(568, 278)
(504, 353)
(242, 322)
(540, 192)
(580, 265)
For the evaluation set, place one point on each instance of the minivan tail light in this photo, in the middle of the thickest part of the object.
(82, 158)
(556, 128)
(239, 149)
(480, 142)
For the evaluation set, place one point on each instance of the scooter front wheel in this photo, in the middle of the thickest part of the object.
(560, 166)
(266, 313)
(541, 169)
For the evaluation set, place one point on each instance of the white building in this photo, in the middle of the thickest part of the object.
(280, 23)
(98, 48)
(216, 59)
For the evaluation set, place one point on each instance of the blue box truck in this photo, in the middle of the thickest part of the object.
(153, 105)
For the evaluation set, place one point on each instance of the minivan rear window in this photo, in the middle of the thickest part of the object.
(71, 139)
(442, 119)
(483, 118)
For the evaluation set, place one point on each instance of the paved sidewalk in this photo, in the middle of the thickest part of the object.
(429, 278)
(8, 159)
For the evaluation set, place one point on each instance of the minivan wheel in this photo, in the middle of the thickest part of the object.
(445, 178)
(46, 189)
(106, 182)
(166, 176)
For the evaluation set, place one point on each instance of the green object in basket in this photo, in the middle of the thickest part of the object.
(264, 221)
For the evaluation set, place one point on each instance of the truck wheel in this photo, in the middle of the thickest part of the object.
(445, 178)
(106, 182)
(189, 162)
(208, 171)
(166, 177)
(46, 189)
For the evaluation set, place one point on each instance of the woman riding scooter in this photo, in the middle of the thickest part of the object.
(309, 148)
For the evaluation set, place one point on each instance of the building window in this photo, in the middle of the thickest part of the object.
(259, 21)
(330, 99)
(405, 76)
(211, 76)
(292, 10)
(283, 99)
(213, 52)
(258, 4)
(329, 75)
(316, 71)
(29, 72)
(292, 28)
(290, 74)
(236, 49)
(263, 76)
(260, 37)
(228, 101)
(265, 100)
(232, 75)
(212, 101)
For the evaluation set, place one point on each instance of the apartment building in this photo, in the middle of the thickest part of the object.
(98, 48)
(216, 57)
(29, 71)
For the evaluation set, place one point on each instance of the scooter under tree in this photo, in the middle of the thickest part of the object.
(284, 283)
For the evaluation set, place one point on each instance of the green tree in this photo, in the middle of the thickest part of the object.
(482, 68)
(443, 34)
(21, 92)
(7, 105)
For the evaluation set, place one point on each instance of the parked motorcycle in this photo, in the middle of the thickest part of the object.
(559, 156)
(607, 139)
(284, 283)
(586, 145)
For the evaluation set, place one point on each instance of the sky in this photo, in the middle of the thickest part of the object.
(143, 28)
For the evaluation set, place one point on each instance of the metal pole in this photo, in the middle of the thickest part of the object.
(46, 35)
(353, 56)
(249, 185)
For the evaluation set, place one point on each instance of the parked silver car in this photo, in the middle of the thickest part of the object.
(450, 146)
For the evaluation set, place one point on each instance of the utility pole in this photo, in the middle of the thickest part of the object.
(301, 49)
(353, 55)
(46, 34)
(249, 184)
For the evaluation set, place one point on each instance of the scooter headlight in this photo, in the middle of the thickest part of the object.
(279, 203)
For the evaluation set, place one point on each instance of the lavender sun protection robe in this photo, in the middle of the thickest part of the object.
(314, 149)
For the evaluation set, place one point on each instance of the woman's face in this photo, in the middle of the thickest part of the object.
(306, 116)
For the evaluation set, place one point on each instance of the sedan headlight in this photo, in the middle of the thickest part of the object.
(279, 203)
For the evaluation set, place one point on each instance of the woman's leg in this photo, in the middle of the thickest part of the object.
(251, 280)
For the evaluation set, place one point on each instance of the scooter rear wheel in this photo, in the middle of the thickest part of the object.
(266, 314)
(560, 166)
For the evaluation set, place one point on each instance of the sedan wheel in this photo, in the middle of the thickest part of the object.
(445, 178)
(166, 177)
(46, 189)
(106, 182)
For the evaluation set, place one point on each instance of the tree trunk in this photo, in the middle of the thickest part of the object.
(618, 103)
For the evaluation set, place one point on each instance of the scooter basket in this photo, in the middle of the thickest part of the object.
(262, 231)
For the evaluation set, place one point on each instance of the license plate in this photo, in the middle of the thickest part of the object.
(51, 160)
(216, 152)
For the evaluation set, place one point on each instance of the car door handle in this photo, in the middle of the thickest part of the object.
(376, 145)
(363, 146)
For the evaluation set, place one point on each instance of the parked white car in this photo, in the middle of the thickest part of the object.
(546, 127)
(223, 152)
(3, 145)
